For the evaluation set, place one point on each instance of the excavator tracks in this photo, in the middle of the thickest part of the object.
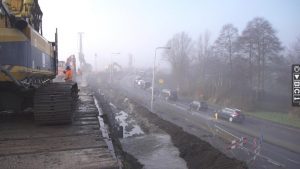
(80, 145)
(55, 103)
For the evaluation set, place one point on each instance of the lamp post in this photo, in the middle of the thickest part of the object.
(153, 74)
(111, 66)
(96, 66)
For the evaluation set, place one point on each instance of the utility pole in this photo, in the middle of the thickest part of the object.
(81, 55)
(130, 63)
(96, 66)
(112, 66)
(153, 75)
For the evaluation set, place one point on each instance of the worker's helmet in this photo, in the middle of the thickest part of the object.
(68, 68)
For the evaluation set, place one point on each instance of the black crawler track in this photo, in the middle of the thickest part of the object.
(55, 103)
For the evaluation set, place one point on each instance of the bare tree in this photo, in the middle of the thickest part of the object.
(203, 52)
(259, 40)
(225, 46)
(294, 52)
(179, 57)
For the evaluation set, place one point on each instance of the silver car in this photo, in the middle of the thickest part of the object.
(232, 115)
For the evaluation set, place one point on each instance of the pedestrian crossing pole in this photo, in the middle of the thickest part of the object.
(216, 115)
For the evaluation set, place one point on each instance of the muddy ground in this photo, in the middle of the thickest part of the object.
(128, 161)
(198, 154)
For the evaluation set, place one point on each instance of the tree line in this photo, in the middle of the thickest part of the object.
(249, 69)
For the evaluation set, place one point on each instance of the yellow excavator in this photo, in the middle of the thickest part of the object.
(28, 64)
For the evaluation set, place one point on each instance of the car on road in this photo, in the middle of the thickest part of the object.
(136, 80)
(140, 83)
(146, 85)
(168, 94)
(198, 106)
(232, 115)
(143, 84)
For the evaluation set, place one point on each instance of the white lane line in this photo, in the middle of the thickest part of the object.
(296, 162)
(272, 161)
(173, 104)
(181, 105)
(227, 132)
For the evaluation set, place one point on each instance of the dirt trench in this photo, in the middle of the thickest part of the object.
(128, 161)
(198, 154)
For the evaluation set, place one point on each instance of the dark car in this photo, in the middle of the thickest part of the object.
(146, 85)
(168, 94)
(197, 106)
(232, 115)
(173, 96)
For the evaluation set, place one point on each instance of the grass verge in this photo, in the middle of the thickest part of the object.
(281, 118)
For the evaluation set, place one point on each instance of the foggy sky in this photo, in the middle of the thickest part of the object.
(139, 26)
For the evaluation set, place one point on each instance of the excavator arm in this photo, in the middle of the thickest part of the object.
(23, 12)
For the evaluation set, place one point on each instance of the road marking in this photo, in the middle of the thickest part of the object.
(227, 132)
(296, 162)
(174, 104)
(271, 161)
(181, 105)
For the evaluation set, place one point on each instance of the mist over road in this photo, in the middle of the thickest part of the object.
(279, 143)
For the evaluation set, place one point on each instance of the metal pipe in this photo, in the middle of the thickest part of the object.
(46, 81)
(8, 74)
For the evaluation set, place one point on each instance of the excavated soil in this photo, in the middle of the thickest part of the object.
(196, 153)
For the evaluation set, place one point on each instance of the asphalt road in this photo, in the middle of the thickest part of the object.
(267, 145)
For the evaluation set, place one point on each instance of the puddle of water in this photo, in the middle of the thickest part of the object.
(154, 151)
(113, 106)
(130, 128)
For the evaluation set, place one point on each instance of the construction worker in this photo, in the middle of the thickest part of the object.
(68, 74)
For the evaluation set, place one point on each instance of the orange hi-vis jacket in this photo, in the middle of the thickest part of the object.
(69, 75)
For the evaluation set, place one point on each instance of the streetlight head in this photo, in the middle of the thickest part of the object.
(164, 47)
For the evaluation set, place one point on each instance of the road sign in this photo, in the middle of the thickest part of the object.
(161, 81)
(296, 91)
(296, 98)
(296, 85)
(296, 68)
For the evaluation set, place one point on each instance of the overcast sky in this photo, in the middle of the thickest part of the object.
(139, 26)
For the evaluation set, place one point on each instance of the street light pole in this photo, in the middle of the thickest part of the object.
(111, 66)
(96, 66)
(153, 75)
